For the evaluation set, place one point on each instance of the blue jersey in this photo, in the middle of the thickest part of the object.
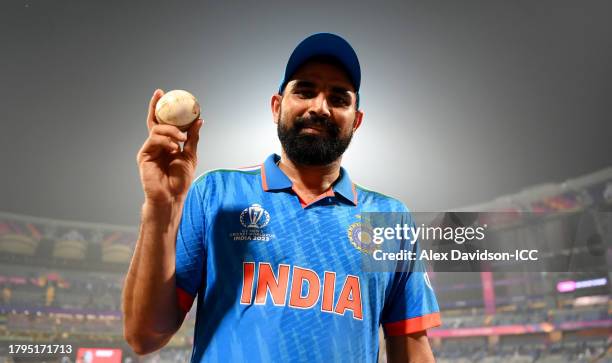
(277, 280)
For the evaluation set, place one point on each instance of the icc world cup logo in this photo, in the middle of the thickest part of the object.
(254, 217)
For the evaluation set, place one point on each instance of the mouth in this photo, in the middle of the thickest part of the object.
(313, 130)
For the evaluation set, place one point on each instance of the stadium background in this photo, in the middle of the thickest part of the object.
(478, 104)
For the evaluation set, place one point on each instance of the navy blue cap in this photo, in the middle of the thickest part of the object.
(324, 44)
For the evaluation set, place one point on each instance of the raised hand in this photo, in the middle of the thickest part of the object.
(166, 170)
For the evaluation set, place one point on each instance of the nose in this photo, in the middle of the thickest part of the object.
(319, 106)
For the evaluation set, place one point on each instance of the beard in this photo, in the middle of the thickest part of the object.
(309, 149)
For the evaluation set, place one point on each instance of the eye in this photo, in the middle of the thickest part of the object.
(339, 101)
(305, 93)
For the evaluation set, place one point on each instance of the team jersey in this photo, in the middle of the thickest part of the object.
(278, 280)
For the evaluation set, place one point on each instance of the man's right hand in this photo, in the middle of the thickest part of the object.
(152, 314)
(166, 171)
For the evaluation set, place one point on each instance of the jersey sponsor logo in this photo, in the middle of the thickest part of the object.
(360, 236)
(253, 220)
(304, 290)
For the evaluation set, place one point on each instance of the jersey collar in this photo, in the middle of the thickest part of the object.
(273, 179)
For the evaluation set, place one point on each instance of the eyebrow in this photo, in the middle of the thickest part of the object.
(340, 90)
(304, 84)
(308, 84)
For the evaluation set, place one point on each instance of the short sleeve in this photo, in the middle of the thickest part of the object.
(190, 250)
(411, 305)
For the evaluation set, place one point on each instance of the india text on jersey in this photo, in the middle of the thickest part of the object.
(303, 279)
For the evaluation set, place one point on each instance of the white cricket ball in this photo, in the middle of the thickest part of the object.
(179, 108)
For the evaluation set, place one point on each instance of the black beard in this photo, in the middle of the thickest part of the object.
(313, 150)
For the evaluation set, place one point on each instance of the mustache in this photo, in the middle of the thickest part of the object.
(316, 121)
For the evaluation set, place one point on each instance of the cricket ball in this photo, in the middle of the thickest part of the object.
(179, 108)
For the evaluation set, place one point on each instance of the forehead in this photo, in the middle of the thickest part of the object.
(323, 72)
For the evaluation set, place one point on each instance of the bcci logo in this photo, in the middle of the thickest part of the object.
(360, 236)
(254, 217)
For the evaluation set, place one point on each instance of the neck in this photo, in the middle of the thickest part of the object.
(312, 179)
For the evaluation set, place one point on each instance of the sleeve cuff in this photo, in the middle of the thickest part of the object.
(412, 325)
(185, 299)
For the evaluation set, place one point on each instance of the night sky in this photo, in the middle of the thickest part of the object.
(464, 101)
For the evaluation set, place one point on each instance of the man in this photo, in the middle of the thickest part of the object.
(268, 252)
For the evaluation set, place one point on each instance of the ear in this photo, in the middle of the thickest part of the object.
(358, 120)
(275, 105)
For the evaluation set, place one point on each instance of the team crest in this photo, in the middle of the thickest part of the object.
(360, 236)
(253, 218)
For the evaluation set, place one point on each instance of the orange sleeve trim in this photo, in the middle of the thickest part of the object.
(185, 299)
(413, 325)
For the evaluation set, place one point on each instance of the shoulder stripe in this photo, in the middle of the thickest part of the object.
(250, 167)
(371, 191)
(254, 171)
(199, 178)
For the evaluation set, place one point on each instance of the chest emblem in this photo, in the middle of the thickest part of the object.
(254, 217)
(253, 220)
(360, 236)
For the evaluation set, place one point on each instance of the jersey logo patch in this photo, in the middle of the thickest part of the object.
(253, 220)
(360, 236)
(254, 217)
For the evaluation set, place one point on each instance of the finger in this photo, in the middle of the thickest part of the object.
(170, 131)
(193, 136)
(151, 120)
(156, 144)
